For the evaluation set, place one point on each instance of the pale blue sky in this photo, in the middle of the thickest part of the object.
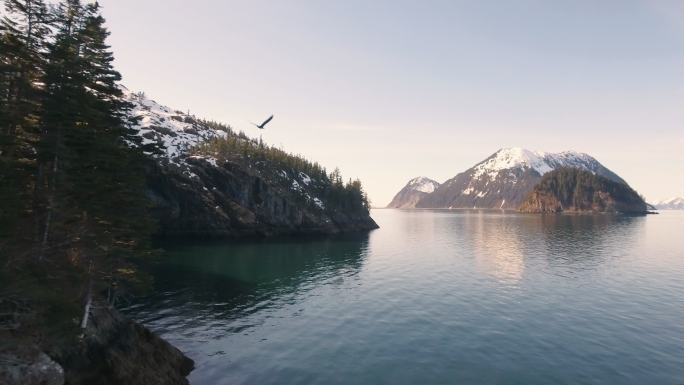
(388, 90)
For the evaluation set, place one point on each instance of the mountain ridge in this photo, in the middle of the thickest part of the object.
(503, 179)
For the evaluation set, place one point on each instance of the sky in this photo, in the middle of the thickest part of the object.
(390, 90)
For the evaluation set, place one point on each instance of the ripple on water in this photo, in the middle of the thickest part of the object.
(433, 297)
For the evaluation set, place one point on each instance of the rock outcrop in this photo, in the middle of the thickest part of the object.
(28, 365)
(112, 350)
(116, 350)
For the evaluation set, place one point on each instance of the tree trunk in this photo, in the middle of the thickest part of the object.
(88, 304)
(50, 208)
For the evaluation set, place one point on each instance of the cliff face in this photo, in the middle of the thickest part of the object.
(209, 198)
(578, 191)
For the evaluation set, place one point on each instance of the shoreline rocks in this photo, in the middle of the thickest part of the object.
(113, 350)
(116, 350)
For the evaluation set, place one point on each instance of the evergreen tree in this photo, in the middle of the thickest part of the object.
(96, 181)
(24, 27)
(24, 30)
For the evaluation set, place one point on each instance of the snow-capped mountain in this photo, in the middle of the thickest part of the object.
(506, 177)
(414, 190)
(676, 203)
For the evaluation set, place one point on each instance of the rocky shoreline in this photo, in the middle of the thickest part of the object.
(113, 350)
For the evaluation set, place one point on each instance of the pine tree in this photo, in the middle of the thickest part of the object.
(107, 175)
(62, 113)
(24, 30)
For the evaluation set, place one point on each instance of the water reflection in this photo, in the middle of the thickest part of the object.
(497, 246)
(501, 242)
(436, 297)
(216, 286)
(574, 243)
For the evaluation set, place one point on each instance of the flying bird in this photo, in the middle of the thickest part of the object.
(262, 125)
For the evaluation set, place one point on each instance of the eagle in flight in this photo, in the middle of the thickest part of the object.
(262, 125)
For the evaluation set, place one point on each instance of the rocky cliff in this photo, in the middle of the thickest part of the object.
(578, 191)
(220, 198)
(240, 186)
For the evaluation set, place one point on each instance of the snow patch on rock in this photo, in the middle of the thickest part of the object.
(171, 132)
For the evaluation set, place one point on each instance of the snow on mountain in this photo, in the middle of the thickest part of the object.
(423, 184)
(539, 161)
(676, 203)
(167, 135)
(509, 158)
(414, 190)
(503, 179)
(170, 132)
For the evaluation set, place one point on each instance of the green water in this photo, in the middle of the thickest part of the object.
(433, 297)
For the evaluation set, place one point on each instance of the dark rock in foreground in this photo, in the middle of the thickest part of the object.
(113, 350)
(27, 365)
(116, 350)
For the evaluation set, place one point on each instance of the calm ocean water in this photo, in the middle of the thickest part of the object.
(433, 297)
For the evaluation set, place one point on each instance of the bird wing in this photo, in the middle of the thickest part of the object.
(266, 121)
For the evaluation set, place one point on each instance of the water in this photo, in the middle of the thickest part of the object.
(434, 297)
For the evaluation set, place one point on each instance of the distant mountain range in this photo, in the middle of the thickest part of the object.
(503, 180)
(670, 204)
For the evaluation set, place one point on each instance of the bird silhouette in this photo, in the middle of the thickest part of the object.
(262, 125)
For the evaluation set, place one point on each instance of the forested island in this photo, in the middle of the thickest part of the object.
(572, 190)
(90, 173)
